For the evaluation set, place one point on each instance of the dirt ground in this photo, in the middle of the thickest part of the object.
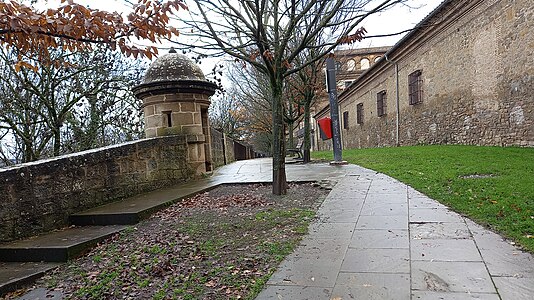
(222, 244)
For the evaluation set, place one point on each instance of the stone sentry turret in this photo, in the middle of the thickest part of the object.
(176, 97)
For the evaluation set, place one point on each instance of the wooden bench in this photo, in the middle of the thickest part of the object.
(297, 151)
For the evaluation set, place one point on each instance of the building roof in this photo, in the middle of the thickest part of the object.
(173, 67)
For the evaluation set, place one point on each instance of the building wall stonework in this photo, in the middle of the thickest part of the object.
(39, 196)
(477, 69)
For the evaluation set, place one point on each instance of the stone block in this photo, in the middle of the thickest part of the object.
(188, 107)
(154, 121)
(151, 132)
(161, 107)
(152, 99)
(181, 118)
(149, 110)
(191, 129)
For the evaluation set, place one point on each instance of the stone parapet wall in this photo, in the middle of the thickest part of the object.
(477, 69)
(39, 196)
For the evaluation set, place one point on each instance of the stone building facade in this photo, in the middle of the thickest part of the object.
(465, 75)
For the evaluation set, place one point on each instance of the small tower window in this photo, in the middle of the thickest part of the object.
(168, 117)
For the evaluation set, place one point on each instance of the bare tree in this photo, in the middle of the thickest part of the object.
(260, 32)
(72, 102)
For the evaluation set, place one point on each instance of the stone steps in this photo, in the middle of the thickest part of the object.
(58, 246)
(14, 275)
(133, 210)
(23, 261)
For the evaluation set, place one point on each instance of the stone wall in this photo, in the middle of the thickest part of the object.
(38, 197)
(222, 148)
(477, 69)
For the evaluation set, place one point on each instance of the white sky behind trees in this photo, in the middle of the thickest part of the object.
(399, 18)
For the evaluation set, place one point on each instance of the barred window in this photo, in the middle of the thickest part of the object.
(345, 120)
(415, 87)
(381, 103)
(359, 113)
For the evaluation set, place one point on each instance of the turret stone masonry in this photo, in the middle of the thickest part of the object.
(175, 96)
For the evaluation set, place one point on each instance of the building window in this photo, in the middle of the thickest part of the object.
(345, 120)
(381, 103)
(359, 113)
(168, 117)
(377, 58)
(364, 64)
(348, 83)
(351, 65)
(415, 87)
(338, 66)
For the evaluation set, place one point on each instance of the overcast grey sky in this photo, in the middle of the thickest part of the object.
(397, 19)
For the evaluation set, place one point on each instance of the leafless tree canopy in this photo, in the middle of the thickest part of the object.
(270, 35)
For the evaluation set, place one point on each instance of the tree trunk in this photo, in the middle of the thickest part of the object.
(279, 168)
(57, 142)
(307, 144)
(291, 138)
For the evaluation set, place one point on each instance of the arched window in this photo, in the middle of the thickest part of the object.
(364, 64)
(378, 58)
(351, 65)
(338, 66)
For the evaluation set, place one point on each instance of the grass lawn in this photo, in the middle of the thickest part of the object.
(503, 200)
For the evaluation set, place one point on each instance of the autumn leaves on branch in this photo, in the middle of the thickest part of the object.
(75, 27)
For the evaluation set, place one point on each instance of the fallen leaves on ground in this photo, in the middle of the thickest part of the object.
(221, 244)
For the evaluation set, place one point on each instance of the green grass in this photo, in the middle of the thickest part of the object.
(504, 202)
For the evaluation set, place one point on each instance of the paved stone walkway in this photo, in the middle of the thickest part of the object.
(377, 238)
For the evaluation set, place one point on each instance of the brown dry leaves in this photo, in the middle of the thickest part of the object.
(75, 27)
(204, 200)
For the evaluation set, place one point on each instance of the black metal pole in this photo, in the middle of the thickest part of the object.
(334, 111)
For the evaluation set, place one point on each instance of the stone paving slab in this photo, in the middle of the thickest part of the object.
(382, 222)
(444, 250)
(424, 295)
(434, 215)
(439, 231)
(439, 276)
(372, 286)
(384, 209)
(515, 288)
(376, 261)
(294, 292)
(380, 239)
